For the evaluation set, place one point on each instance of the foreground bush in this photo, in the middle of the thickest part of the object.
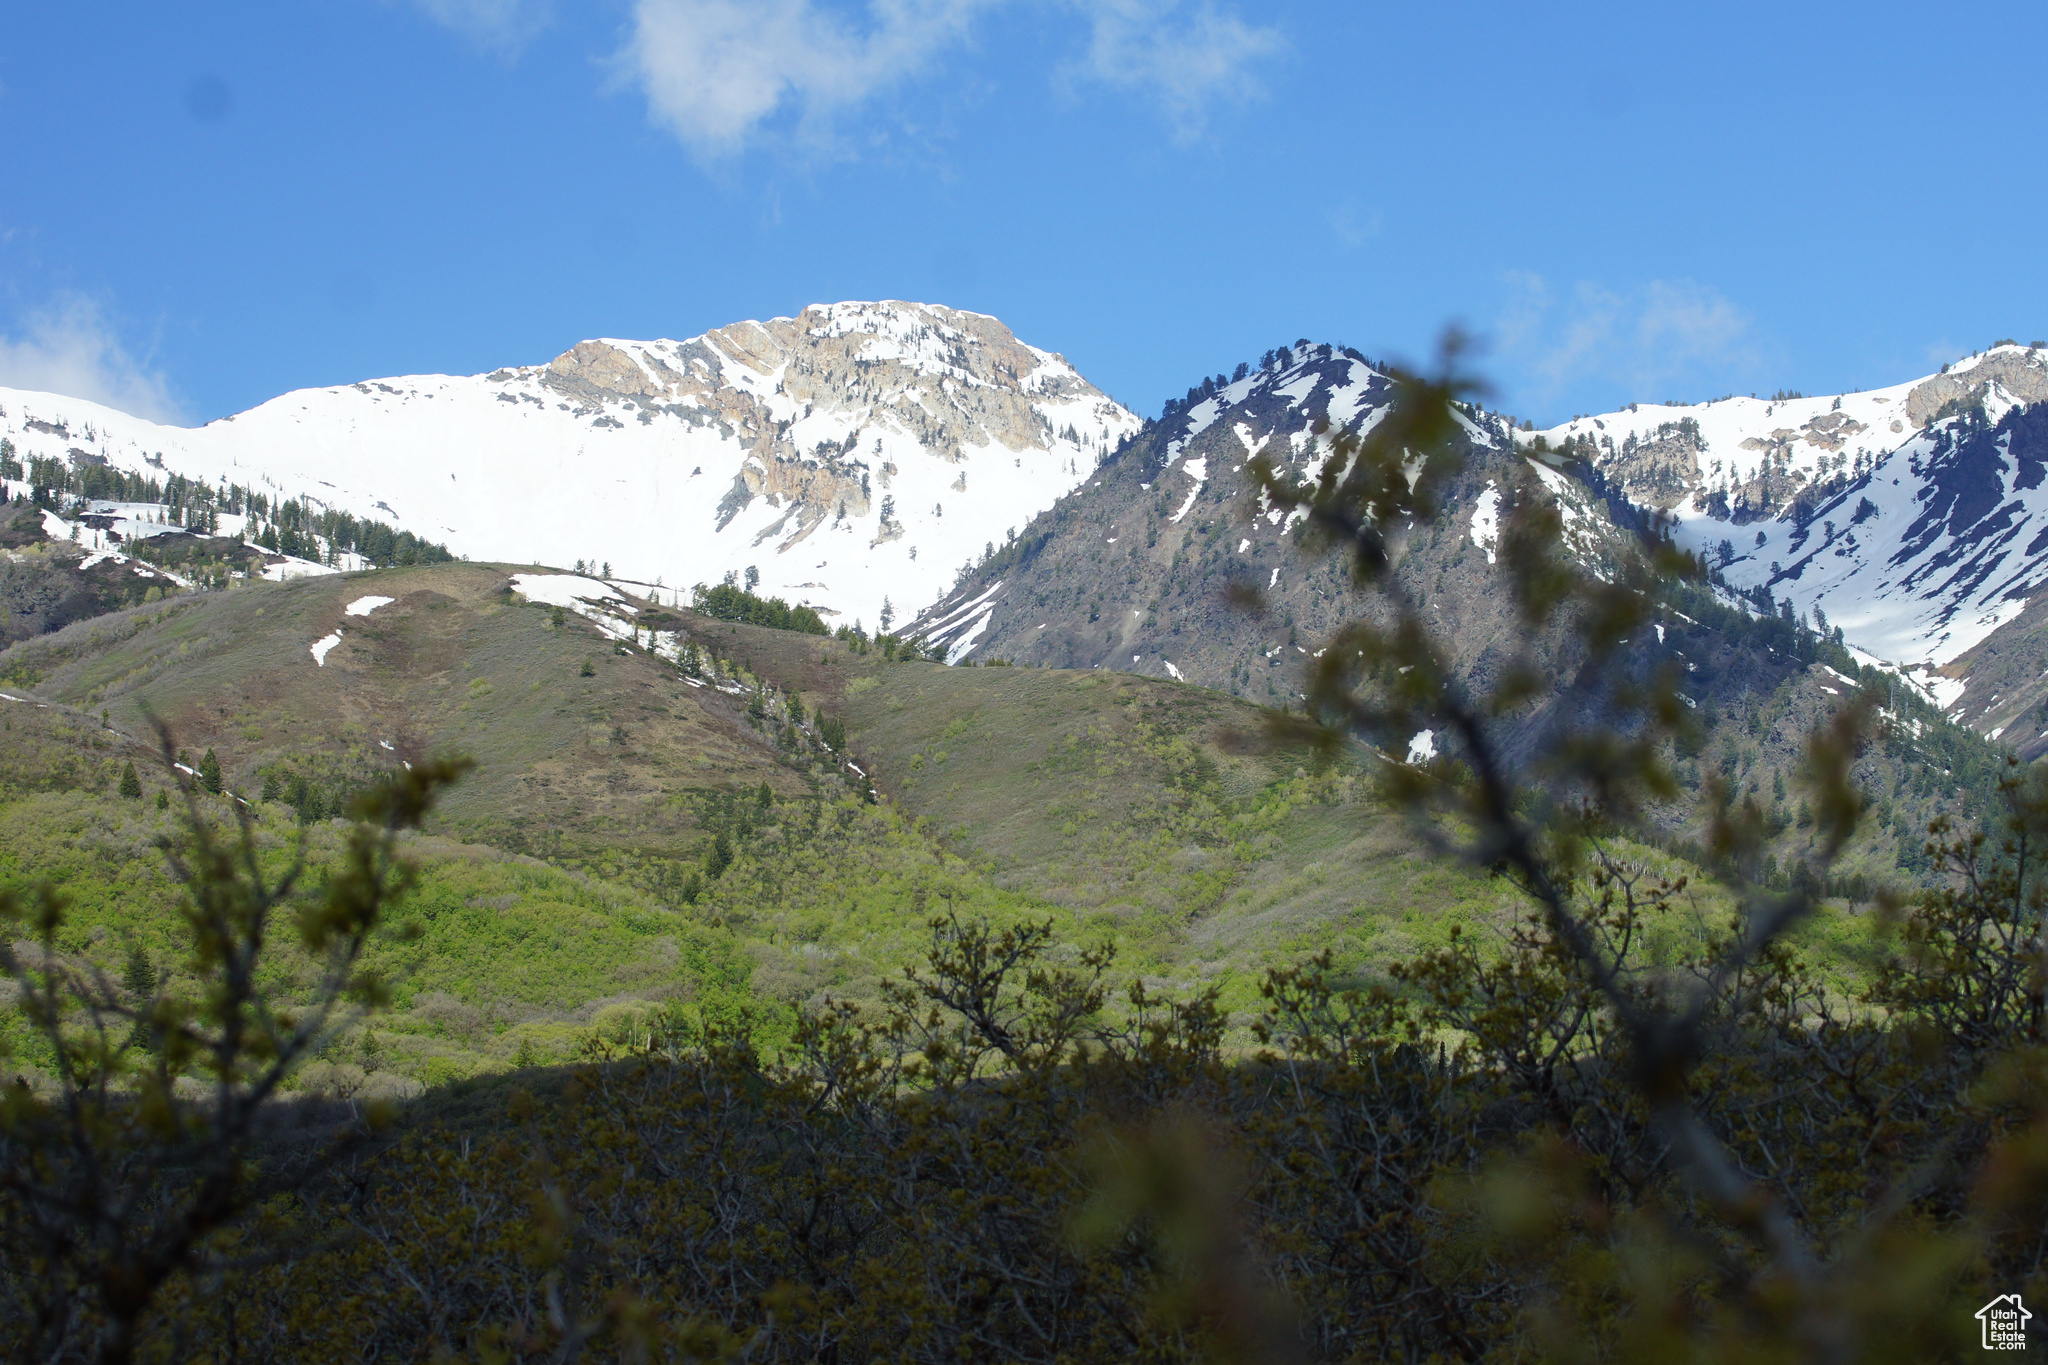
(994, 1172)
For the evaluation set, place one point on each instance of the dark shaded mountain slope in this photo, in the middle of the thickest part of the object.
(46, 583)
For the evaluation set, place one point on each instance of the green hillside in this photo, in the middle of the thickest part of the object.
(570, 876)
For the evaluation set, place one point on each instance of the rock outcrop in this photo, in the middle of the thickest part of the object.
(951, 380)
(2023, 374)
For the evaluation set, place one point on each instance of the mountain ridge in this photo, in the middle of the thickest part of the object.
(825, 450)
(1911, 518)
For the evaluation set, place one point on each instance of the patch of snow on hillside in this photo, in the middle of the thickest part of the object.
(320, 647)
(1422, 748)
(1199, 471)
(1479, 434)
(1348, 400)
(1560, 487)
(1486, 520)
(970, 637)
(1178, 676)
(562, 589)
(1203, 415)
(1946, 692)
(1297, 389)
(295, 568)
(363, 606)
(960, 628)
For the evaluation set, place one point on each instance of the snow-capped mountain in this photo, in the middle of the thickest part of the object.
(1128, 571)
(857, 453)
(1915, 517)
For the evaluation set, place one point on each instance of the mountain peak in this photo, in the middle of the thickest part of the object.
(1913, 517)
(856, 454)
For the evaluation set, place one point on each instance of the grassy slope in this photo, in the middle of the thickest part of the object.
(512, 951)
(564, 763)
(1122, 801)
(1111, 802)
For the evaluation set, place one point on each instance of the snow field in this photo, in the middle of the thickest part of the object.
(506, 468)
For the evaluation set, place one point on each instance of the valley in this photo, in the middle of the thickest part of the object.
(566, 887)
(668, 806)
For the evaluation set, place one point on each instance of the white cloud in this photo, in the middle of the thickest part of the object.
(1183, 55)
(1644, 341)
(502, 24)
(71, 349)
(715, 71)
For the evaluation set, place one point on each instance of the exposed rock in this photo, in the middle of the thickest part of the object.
(758, 380)
(1831, 430)
(595, 371)
(1662, 471)
(2022, 374)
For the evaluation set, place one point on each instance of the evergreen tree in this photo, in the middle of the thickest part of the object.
(589, 669)
(718, 857)
(131, 784)
(209, 773)
(138, 977)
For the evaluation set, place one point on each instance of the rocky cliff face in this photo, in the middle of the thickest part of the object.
(1662, 468)
(2021, 375)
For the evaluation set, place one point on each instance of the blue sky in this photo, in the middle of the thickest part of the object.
(207, 205)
